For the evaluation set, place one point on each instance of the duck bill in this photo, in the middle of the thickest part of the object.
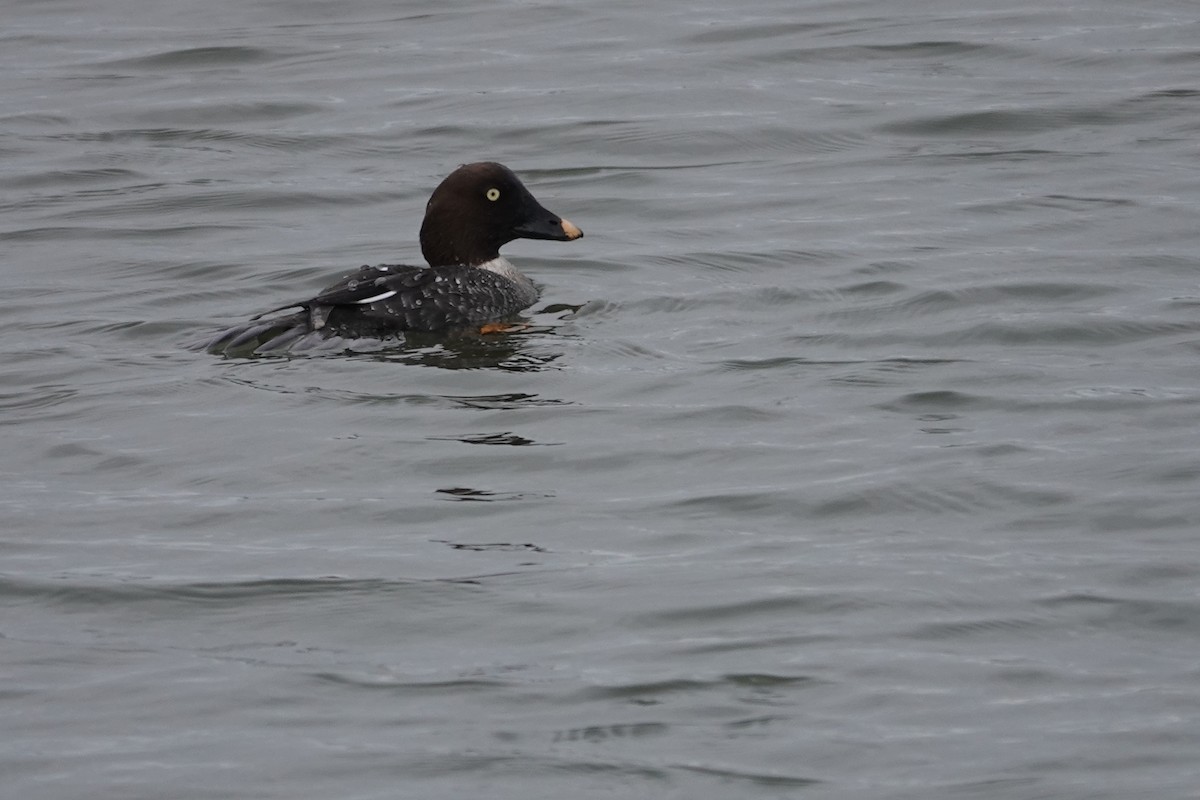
(544, 225)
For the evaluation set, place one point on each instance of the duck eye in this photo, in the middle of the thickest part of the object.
(493, 194)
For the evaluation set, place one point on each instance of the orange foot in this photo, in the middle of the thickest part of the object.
(502, 327)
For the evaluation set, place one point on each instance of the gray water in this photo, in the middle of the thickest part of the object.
(867, 466)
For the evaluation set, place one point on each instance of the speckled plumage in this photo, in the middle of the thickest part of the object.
(476, 210)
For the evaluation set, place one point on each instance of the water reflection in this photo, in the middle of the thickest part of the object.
(511, 352)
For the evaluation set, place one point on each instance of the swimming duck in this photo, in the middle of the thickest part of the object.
(468, 285)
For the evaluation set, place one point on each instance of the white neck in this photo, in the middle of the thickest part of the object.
(502, 266)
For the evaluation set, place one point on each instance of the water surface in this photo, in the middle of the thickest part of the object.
(866, 466)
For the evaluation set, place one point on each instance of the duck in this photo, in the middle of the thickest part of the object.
(466, 287)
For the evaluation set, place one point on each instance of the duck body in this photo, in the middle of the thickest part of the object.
(468, 285)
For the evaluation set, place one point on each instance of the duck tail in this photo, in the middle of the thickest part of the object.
(259, 336)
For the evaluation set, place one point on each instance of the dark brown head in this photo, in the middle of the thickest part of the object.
(479, 208)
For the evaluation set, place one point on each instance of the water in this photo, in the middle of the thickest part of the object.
(866, 468)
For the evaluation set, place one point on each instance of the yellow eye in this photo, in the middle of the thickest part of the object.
(493, 194)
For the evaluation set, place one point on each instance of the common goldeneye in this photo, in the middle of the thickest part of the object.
(468, 285)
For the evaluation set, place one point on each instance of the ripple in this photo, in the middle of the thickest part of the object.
(1002, 122)
(601, 733)
(60, 177)
(761, 140)
(184, 136)
(982, 627)
(741, 261)
(772, 780)
(727, 34)
(626, 351)
(1052, 201)
(1086, 329)
(807, 603)
(455, 686)
(754, 298)
(483, 547)
(902, 496)
(1109, 612)
(140, 201)
(197, 58)
(78, 592)
(920, 51)
(505, 401)
(20, 407)
(505, 438)
(231, 113)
